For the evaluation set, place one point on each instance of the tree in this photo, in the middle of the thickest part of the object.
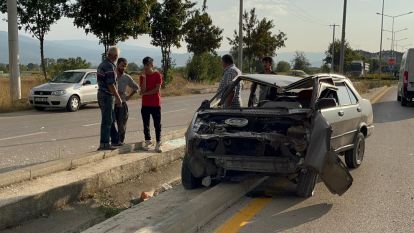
(33, 67)
(201, 35)
(37, 17)
(300, 62)
(205, 67)
(282, 66)
(133, 67)
(350, 55)
(112, 21)
(63, 64)
(258, 39)
(167, 31)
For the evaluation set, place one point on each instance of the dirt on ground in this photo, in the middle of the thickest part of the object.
(83, 214)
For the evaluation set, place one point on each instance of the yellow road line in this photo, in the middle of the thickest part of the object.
(242, 218)
(377, 97)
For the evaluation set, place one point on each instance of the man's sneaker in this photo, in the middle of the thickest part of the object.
(158, 147)
(146, 145)
(117, 144)
(106, 147)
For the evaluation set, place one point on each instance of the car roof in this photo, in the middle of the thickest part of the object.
(271, 79)
(81, 70)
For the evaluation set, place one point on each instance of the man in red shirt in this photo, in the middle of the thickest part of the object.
(150, 83)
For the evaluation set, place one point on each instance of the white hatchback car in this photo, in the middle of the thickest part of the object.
(70, 89)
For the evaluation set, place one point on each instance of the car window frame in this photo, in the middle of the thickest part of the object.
(347, 88)
(86, 78)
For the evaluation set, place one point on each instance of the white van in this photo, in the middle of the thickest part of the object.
(406, 78)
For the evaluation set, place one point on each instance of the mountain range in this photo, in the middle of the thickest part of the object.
(91, 51)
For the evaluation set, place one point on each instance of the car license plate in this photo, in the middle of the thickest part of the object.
(41, 99)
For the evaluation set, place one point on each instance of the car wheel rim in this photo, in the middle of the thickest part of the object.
(75, 103)
(360, 152)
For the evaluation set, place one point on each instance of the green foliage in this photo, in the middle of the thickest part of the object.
(111, 21)
(63, 64)
(167, 29)
(33, 67)
(4, 68)
(300, 62)
(204, 67)
(325, 68)
(132, 67)
(258, 39)
(350, 55)
(201, 35)
(282, 66)
(37, 17)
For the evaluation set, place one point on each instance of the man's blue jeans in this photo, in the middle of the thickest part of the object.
(108, 130)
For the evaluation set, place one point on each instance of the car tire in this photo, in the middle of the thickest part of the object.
(39, 108)
(354, 157)
(404, 101)
(73, 104)
(306, 183)
(187, 179)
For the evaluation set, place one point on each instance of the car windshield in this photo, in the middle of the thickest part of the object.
(68, 77)
(297, 95)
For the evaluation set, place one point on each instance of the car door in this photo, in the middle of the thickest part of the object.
(89, 88)
(349, 116)
(331, 114)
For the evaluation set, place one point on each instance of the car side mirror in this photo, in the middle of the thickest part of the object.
(325, 103)
(87, 82)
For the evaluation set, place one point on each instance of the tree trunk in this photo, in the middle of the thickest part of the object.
(42, 57)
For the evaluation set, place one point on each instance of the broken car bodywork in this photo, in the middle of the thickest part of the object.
(275, 137)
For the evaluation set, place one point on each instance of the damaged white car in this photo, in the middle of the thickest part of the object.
(289, 127)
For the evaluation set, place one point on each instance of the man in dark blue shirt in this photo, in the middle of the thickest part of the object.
(108, 97)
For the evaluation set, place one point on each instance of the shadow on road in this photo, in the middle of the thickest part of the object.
(47, 111)
(392, 111)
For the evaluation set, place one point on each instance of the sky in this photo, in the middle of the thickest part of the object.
(306, 23)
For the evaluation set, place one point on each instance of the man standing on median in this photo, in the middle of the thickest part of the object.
(150, 83)
(108, 97)
(230, 72)
(121, 112)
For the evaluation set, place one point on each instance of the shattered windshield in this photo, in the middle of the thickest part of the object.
(254, 94)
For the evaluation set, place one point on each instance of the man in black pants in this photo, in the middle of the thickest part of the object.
(150, 83)
(124, 81)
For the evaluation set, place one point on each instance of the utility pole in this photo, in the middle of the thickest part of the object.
(333, 47)
(382, 30)
(14, 69)
(342, 58)
(241, 37)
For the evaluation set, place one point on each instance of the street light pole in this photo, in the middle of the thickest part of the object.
(14, 69)
(241, 36)
(342, 58)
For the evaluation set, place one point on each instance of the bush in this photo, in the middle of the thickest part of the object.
(63, 64)
(282, 66)
(204, 68)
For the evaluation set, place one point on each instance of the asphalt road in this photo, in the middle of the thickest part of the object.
(31, 137)
(381, 198)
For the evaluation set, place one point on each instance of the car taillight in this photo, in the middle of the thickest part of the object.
(405, 80)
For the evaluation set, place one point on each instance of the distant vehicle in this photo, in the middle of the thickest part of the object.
(70, 89)
(298, 73)
(297, 132)
(406, 78)
(359, 69)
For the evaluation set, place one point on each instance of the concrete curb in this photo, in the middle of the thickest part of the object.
(26, 201)
(202, 209)
(43, 169)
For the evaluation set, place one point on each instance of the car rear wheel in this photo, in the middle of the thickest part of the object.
(187, 179)
(39, 108)
(306, 183)
(73, 104)
(354, 157)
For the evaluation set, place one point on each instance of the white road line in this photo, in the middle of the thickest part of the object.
(22, 136)
(178, 110)
(88, 125)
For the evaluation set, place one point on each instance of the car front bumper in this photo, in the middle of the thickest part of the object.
(49, 101)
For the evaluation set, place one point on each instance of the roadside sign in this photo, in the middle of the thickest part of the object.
(392, 61)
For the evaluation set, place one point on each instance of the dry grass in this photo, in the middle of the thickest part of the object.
(27, 83)
(364, 85)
